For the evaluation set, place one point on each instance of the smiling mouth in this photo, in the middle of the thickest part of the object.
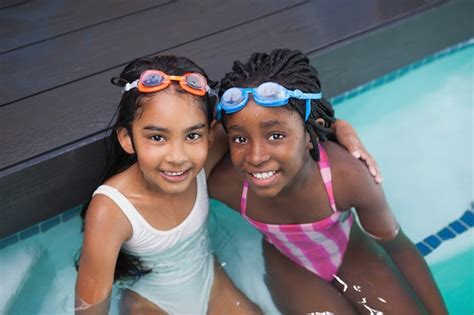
(175, 176)
(263, 175)
(173, 173)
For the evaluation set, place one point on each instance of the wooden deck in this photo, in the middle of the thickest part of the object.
(57, 58)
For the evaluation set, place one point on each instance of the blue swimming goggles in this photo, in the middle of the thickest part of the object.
(268, 94)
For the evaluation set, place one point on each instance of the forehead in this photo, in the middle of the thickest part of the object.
(171, 107)
(254, 115)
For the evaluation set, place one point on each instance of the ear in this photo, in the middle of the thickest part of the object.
(212, 132)
(125, 140)
(321, 122)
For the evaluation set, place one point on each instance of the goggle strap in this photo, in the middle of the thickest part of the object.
(314, 96)
(218, 112)
(130, 86)
(308, 109)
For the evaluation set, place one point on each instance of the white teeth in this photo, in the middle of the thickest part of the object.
(263, 175)
(173, 173)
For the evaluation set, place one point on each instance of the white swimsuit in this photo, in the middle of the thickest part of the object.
(181, 260)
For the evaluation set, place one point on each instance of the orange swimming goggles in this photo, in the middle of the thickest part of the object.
(156, 80)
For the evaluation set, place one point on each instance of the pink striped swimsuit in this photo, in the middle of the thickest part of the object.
(319, 247)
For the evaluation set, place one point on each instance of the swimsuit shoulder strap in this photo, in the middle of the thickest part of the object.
(124, 204)
(325, 170)
(243, 200)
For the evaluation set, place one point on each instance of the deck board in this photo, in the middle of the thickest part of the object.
(31, 22)
(83, 106)
(79, 55)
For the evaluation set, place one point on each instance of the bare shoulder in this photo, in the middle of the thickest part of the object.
(351, 178)
(225, 184)
(344, 164)
(104, 216)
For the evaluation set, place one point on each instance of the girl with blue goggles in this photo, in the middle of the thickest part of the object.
(268, 94)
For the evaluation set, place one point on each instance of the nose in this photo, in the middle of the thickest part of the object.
(177, 153)
(258, 154)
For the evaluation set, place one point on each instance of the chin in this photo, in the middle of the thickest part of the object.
(174, 190)
(265, 192)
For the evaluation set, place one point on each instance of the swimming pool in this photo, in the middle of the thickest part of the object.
(416, 121)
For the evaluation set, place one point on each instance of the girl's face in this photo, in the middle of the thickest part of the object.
(171, 138)
(269, 147)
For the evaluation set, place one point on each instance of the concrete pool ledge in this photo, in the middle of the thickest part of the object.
(53, 138)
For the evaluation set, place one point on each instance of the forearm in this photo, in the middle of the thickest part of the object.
(83, 308)
(416, 271)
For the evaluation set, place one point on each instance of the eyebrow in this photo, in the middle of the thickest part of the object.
(234, 128)
(166, 130)
(272, 123)
(196, 127)
(264, 124)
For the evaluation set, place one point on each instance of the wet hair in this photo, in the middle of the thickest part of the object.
(129, 267)
(291, 69)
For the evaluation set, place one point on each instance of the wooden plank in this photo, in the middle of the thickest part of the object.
(314, 26)
(57, 118)
(77, 55)
(364, 58)
(30, 22)
(83, 107)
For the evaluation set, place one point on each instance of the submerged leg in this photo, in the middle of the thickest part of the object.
(226, 298)
(296, 290)
(369, 279)
(133, 303)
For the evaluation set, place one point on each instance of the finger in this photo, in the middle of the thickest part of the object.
(355, 153)
(370, 162)
(353, 146)
(374, 170)
(378, 179)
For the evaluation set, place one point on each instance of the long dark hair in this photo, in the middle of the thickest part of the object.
(291, 69)
(129, 266)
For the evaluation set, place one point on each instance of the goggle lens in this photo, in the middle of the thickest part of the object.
(196, 81)
(151, 78)
(232, 97)
(270, 91)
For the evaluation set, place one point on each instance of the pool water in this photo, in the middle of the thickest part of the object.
(417, 122)
(419, 127)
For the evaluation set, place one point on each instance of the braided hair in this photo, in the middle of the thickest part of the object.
(129, 267)
(291, 69)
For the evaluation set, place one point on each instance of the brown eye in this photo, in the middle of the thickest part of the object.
(157, 138)
(239, 140)
(193, 136)
(276, 136)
